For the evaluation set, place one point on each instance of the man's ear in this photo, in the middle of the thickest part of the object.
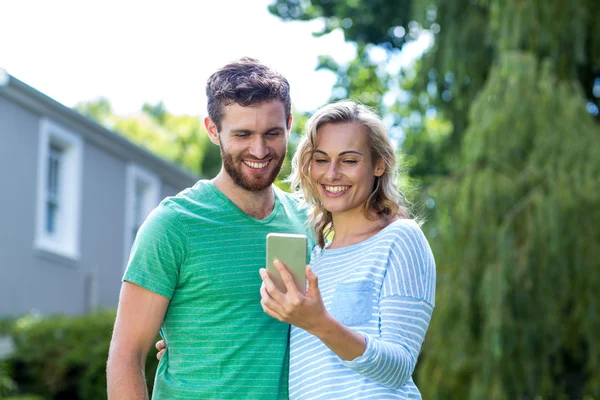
(211, 129)
(289, 126)
(379, 167)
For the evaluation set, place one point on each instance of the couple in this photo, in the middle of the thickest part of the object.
(193, 273)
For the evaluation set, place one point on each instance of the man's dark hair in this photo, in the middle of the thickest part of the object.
(245, 82)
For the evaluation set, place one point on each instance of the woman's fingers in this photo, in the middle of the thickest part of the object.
(286, 277)
(313, 283)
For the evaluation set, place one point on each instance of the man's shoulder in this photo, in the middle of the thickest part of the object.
(192, 198)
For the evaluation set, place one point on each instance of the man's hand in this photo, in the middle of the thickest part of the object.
(161, 347)
(305, 311)
(139, 317)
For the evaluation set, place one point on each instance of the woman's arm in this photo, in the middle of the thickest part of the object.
(308, 312)
(405, 307)
(391, 359)
(406, 304)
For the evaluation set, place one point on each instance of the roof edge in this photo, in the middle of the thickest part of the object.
(91, 130)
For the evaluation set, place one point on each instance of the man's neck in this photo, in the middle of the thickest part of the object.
(256, 204)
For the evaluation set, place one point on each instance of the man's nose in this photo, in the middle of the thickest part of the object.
(258, 147)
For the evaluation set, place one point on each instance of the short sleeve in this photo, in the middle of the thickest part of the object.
(158, 252)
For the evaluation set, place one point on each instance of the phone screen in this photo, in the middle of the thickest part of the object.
(290, 249)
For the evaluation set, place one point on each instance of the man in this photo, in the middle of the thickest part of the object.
(193, 270)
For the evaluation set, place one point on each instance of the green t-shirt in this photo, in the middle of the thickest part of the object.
(202, 252)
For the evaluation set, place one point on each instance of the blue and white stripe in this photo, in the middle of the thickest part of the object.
(383, 288)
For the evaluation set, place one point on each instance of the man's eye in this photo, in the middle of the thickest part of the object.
(242, 135)
(273, 134)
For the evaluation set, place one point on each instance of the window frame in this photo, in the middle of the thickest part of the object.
(65, 241)
(135, 174)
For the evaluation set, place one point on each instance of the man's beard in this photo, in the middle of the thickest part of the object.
(249, 183)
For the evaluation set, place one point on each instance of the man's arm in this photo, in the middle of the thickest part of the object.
(139, 317)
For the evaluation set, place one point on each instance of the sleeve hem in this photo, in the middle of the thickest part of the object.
(143, 283)
(365, 358)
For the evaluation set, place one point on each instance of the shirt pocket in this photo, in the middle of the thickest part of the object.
(352, 303)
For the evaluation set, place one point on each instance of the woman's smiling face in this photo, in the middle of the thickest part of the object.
(342, 168)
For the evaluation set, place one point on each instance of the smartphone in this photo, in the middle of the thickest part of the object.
(291, 250)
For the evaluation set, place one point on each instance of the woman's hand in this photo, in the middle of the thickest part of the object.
(305, 311)
(161, 347)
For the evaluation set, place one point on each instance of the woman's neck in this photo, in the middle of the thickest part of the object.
(354, 226)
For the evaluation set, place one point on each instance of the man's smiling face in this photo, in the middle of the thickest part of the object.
(253, 142)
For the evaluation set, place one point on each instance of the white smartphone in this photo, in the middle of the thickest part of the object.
(290, 249)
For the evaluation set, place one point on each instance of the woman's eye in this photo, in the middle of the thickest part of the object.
(350, 161)
(320, 160)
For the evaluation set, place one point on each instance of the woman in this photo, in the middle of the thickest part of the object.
(358, 329)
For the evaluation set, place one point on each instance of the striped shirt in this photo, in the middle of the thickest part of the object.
(383, 288)
(203, 253)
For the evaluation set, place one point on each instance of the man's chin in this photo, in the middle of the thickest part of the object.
(253, 184)
(252, 181)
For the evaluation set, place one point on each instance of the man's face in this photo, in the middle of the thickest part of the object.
(253, 142)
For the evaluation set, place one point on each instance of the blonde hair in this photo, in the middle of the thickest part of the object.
(384, 201)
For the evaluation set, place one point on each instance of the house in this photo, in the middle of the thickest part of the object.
(72, 196)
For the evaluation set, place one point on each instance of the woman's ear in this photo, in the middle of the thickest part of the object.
(379, 167)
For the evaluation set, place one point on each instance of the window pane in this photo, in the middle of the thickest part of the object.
(51, 218)
(138, 206)
(55, 155)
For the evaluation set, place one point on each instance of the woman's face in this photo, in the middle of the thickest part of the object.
(342, 168)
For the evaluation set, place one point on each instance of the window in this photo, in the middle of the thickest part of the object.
(59, 190)
(142, 193)
(55, 156)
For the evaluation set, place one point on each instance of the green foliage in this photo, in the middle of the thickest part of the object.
(7, 384)
(65, 357)
(6, 326)
(363, 21)
(180, 139)
(299, 123)
(496, 131)
(360, 80)
(469, 36)
(99, 109)
(518, 230)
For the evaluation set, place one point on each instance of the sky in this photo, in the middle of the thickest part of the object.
(135, 52)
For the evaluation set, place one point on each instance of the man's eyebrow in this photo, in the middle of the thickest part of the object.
(275, 129)
(248, 131)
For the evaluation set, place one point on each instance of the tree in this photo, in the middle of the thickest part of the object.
(180, 139)
(520, 240)
(469, 36)
(508, 156)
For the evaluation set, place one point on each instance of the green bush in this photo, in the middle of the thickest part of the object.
(7, 384)
(6, 325)
(61, 357)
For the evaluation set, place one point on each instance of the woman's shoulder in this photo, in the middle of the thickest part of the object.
(404, 226)
(406, 232)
